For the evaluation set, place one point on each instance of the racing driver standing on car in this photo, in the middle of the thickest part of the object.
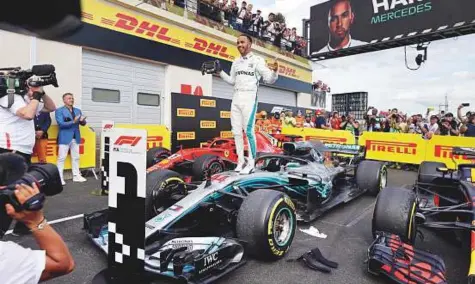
(245, 75)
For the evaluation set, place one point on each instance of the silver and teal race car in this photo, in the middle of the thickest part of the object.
(201, 231)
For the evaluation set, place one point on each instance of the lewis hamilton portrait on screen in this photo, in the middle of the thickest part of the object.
(340, 19)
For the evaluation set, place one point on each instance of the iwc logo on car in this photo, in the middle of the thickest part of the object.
(190, 135)
(185, 112)
(226, 134)
(225, 114)
(206, 124)
(207, 103)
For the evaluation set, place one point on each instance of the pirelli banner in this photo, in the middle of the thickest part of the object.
(413, 149)
(198, 119)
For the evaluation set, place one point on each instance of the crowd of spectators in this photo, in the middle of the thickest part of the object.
(245, 19)
(392, 121)
(442, 123)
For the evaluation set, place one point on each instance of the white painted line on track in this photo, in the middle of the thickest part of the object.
(56, 221)
(361, 216)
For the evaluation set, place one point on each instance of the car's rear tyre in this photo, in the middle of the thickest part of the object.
(372, 176)
(161, 185)
(156, 155)
(395, 212)
(428, 171)
(267, 222)
(205, 163)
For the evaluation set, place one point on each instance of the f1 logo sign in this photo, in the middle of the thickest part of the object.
(108, 126)
(127, 140)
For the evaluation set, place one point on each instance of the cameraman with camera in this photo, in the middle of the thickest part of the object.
(21, 200)
(17, 114)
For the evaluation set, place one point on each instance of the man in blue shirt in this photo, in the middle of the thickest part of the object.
(69, 137)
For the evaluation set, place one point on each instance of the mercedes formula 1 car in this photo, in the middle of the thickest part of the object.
(218, 155)
(441, 199)
(202, 230)
(311, 173)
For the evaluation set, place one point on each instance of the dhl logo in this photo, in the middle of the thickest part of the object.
(331, 140)
(186, 135)
(185, 112)
(211, 48)
(207, 124)
(130, 23)
(225, 114)
(207, 103)
(287, 71)
(154, 141)
(52, 148)
(391, 147)
(445, 152)
(226, 134)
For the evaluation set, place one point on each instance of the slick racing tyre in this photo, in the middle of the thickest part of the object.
(372, 176)
(428, 171)
(395, 212)
(156, 155)
(205, 163)
(266, 221)
(161, 186)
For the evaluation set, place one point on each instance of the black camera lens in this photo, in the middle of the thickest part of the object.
(46, 177)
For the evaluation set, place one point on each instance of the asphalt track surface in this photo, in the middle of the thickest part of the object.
(348, 231)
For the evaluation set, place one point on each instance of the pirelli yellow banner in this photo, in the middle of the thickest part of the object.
(114, 17)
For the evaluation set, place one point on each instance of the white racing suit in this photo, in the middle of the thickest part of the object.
(245, 75)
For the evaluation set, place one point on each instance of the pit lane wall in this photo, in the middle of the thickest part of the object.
(394, 147)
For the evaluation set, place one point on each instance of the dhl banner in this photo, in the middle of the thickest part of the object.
(326, 136)
(87, 148)
(114, 17)
(394, 147)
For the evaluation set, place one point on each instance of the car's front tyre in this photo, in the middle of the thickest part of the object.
(161, 185)
(395, 212)
(267, 222)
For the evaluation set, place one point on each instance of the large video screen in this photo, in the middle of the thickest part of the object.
(340, 24)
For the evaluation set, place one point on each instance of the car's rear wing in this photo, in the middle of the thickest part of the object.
(349, 149)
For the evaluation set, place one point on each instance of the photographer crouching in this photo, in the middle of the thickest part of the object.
(22, 194)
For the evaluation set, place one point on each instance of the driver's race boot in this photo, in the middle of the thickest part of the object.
(239, 167)
(249, 167)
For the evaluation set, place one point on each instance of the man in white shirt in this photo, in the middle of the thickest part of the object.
(245, 75)
(340, 19)
(20, 265)
(17, 127)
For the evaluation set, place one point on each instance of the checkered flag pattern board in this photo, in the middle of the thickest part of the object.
(124, 175)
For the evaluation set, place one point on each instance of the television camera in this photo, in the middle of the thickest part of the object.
(14, 171)
(14, 80)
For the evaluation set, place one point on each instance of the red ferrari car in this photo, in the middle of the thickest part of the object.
(216, 156)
